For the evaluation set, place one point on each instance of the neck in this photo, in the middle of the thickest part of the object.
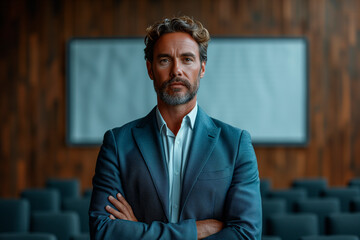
(173, 115)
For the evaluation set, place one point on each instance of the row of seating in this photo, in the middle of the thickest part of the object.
(301, 189)
(38, 236)
(48, 200)
(317, 237)
(57, 211)
(294, 226)
(15, 218)
(310, 209)
(61, 200)
(313, 186)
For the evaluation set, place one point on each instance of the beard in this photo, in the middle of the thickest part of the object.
(173, 96)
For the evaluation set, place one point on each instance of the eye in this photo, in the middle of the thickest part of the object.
(188, 60)
(164, 61)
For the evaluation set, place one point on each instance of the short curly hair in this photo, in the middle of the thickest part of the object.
(177, 24)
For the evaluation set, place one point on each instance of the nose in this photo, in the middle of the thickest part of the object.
(176, 69)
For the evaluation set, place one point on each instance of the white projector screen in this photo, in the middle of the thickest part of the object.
(257, 84)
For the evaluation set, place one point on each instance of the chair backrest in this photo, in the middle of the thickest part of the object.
(355, 204)
(81, 207)
(27, 236)
(343, 223)
(265, 186)
(271, 207)
(270, 238)
(322, 207)
(344, 194)
(87, 193)
(290, 195)
(355, 182)
(313, 186)
(42, 199)
(14, 215)
(293, 226)
(63, 225)
(82, 236)
(68, 188)
(335, 237)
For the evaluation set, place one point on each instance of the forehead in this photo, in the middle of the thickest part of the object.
(178, 42)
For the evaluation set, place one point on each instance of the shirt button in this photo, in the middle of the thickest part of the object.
(175, 206)
(176, 173)
(177, 142)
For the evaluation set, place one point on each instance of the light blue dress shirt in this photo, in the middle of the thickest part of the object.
(176, 150)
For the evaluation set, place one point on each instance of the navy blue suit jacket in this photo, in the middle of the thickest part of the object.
(221, 181)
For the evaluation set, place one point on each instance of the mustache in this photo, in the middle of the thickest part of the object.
(185, 82)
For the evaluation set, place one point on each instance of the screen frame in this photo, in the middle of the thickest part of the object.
(69, 128)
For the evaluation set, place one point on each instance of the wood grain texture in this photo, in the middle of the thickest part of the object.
(34, 34)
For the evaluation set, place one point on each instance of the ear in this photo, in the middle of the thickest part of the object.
(202, 69)
(149, 69)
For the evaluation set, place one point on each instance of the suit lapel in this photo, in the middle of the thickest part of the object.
(148, 140)
(205, 136)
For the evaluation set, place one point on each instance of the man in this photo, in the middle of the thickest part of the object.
(176, 173)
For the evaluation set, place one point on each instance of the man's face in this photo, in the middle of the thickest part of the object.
(176, 69)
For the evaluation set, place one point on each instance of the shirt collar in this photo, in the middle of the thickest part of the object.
(191, 116)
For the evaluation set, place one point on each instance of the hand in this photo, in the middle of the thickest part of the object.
(123, 209)
(208, 227)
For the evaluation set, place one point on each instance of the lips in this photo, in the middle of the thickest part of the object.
(177, 84)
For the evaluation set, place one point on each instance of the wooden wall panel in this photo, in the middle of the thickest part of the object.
(32, 74)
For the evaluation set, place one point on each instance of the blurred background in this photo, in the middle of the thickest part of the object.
(33, 39)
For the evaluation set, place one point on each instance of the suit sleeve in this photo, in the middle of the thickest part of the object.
(107, 181)
(243, 209)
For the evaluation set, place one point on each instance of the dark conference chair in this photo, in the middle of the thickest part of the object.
(313, 186)
(336, 237)
(343, 223)
(27, 236)
(270, 238)
(355, 204)
(271, 207)
(293, 226)
(344, 194)
(355, 182)
(290, 195)
(322, 207)
(14, 215)
(81, 207)
(87, 193)
(68, 188)
(42, 199)
(265, 187)
(63, 225)
(82, 236)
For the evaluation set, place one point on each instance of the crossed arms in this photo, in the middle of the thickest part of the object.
(124, 211)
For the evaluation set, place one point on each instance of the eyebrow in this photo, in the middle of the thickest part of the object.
(186, 54)
(163, 55)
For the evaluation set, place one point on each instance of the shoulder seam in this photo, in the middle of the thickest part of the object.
(239, 144)
(115, 145)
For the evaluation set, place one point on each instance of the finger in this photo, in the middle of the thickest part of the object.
(112, 217)
(119, 206)
(127, 205)
(115, 213)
